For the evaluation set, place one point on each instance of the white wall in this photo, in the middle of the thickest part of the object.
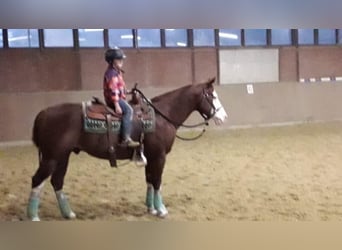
(249, 65)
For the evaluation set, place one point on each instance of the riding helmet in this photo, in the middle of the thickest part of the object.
(115, 53)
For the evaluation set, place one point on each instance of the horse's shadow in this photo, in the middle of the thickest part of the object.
(114, 210)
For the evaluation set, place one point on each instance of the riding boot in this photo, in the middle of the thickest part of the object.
(128, 142)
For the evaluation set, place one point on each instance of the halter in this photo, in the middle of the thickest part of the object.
(205, 96)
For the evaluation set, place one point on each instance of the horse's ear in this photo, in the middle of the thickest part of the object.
(210, 82)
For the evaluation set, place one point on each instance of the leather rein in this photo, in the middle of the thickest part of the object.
(205, 96)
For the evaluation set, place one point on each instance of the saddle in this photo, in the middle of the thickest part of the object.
(96, 109)
(99, 118)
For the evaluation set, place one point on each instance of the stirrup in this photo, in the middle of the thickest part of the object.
(139, 159)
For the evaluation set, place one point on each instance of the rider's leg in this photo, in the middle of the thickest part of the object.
(127, 115)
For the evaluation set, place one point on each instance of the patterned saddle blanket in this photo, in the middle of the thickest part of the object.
(95, 117)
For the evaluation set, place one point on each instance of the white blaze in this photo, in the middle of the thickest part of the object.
(220, 114)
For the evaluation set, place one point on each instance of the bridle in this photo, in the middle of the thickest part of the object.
(204, 97)
(214, 110)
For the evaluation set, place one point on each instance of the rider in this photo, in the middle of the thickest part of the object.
(114, 90)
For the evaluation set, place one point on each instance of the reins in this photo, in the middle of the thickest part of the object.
(192, 138)
(205, 122)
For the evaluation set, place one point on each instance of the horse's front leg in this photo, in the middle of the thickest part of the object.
(154, 200)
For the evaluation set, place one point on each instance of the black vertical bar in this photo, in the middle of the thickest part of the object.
(242, 37)
(106, 38)
(315, 36)
(217, 49)
(294, 37)
(190, 36)
(135, 38)
(268, 37)
(162, 38)
(337, 33)
(190, 43)
(41, 38)
(76, 39)
(217, 38)
(5, 38)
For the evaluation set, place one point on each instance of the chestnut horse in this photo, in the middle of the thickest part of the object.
(58, 131)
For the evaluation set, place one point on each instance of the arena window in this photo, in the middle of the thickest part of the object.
(90, 37)
(120, 38)
(204, 37)
(148, 38)
(58, 38)
(326, 36)
(23, 38)
(229, 37)
(305, 36)
(255, 37)
(176, 38)
(281, 37)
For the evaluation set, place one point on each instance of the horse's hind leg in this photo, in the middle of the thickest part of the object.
(57, 181)
(45, 169)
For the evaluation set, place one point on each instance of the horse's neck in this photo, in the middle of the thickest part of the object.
(177, 105)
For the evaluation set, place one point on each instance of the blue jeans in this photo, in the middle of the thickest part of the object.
(127, 115)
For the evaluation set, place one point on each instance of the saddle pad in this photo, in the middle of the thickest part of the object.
(100, 126)
(147, 121)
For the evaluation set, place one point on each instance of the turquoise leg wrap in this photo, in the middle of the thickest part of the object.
(150, 200)
(159, 205)
(149, 197)
(158, 200)
(64, 206)
(32, 208)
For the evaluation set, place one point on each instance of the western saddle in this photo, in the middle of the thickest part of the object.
(101, 117)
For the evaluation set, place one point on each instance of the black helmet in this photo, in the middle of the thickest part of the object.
(115, 53)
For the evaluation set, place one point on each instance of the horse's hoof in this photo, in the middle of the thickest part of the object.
(152, 210)
(162, 214)
(71, 215)
(35, 219)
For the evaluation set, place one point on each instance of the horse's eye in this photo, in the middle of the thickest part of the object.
(212, 95)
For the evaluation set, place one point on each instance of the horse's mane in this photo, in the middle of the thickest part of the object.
(170, 93)
(182, 89)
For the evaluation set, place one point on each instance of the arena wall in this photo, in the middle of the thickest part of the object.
(32, 79)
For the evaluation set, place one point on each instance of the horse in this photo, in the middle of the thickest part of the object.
(58, 131)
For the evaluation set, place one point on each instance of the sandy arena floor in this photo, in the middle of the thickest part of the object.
(291, 173)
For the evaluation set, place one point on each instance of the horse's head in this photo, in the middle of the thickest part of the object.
(210, 105)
